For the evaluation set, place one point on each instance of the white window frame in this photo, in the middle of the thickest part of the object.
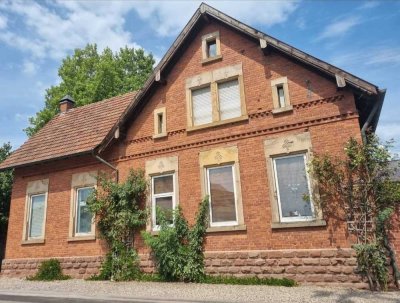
(76, 233)
(29, 219)
(300, 218)
(207, 174)
(163, 195)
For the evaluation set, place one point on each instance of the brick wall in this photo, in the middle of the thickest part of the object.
(328, 114)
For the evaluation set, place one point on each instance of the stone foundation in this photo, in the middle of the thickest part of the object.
(311, 266)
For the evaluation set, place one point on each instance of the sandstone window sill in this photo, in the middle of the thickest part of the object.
(212, 59)
(280, 225)
(33, 241)
(217, 123)
(216, 229)
(158, 136)
(82, 238)
(286, 109)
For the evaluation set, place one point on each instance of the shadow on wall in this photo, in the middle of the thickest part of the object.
(353, 296)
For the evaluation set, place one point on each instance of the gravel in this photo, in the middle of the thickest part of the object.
(193, 292)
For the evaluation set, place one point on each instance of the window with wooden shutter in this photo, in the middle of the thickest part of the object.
(229, 99)
(202, 106)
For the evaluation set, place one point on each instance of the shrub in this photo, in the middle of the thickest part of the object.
(119, 216)
(49, 270)
(178, 249)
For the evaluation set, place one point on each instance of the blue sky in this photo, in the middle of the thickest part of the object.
(361, 37)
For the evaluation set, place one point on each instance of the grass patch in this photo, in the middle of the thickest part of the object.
(216, 280)
(49, 270)
(248, 281)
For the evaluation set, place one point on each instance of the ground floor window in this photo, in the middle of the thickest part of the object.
(163, 198)
(223, 197)
(293, 188)
(83, 218)
(36, 216)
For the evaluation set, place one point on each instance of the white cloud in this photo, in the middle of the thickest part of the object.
(339, 27)
(3, 22)
(372, 56)
(163, 15)
(369, 5)
(29, 68)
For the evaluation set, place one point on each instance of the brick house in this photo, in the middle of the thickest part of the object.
(230, 112)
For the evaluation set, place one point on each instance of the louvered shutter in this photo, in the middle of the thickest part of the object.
(229, 99)
(202, 107)
(37, 216)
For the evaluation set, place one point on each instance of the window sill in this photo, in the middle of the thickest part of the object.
(216, 229)
(212, 59)
(281, 110)
(217, 123)
(317, 222)
(33, 241)
(163, 135)
(82, 238)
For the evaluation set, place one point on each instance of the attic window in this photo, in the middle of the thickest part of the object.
(280, 95)
(160, 127)
(211, 47)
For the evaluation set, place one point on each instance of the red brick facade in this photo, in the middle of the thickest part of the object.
(328, 114)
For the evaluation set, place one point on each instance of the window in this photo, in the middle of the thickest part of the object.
(280, 95)
(293, 188)
(221, 189)
(216, 97)
(211, 47)
(220, 175)
(83, 217)
(163, 198)
(160, 124)
(36, 216)
(202, 106)
(82, 221)
(35, 212)
(229, 99)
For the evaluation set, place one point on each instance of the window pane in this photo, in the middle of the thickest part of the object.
(84, 216)
(229, 99)
(222, 194)
(37, 216)
(281, 95)
(293, 186)
(166, 206)
(202, 107)
(164, 184)
(211, 49)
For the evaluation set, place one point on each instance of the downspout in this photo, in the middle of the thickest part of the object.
(377, 106)
(108, 164)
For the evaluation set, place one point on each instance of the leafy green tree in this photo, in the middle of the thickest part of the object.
(359, 189)
(89, 76)
(5, 196)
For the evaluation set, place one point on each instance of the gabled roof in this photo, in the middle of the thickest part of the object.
(78, 131)
(203, 14)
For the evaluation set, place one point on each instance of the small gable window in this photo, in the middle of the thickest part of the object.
(280, 96)
(160, 126)
(211, 47)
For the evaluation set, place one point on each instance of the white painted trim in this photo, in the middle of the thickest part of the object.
(163, 195)
(76, 205)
